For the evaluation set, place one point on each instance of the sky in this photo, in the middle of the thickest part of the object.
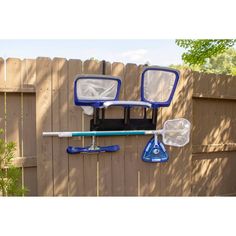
(157, 52)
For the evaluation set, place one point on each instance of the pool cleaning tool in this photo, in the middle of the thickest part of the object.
(93, 148)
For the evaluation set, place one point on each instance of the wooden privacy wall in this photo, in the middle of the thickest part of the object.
(37, 95)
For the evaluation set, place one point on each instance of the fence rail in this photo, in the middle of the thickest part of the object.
(37, 95)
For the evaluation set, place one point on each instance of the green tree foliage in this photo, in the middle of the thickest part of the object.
(9, 174)
(224, 63)
(199, 50)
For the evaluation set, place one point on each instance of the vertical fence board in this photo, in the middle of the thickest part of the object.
(44, 124)
(14, 107)
(13, 73)
(13, 101)
(29, 125)
(105, 159)
(76, 162)
(91, 176)
(138, 112)
(60, 123)
(144, 168)
(28, 73)
(131, 145)
(28, 79)
(28, 70)
(13, 121)
(118, 158)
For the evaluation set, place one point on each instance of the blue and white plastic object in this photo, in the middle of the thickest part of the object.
(155, 151)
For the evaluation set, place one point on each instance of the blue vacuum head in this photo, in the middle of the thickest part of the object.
(155, 152)
(93, 149)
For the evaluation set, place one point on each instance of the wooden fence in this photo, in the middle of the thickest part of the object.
(37, 95)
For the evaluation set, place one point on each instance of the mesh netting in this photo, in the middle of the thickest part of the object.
(158, 85)
(96, 89)
(177, 132)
